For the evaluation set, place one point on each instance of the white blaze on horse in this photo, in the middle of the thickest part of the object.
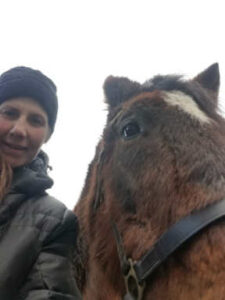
(151, 211)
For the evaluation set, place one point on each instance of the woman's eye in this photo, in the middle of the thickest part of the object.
(9, 113)
(131, 130)
(37, 121)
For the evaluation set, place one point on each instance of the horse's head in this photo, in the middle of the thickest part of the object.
(161, 139)
(161, 156)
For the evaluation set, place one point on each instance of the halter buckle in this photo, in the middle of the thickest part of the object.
(134, 289)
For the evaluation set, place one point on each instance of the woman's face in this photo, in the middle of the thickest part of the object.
(23, 130)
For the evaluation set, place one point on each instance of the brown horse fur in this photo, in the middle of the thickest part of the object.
(161, 157)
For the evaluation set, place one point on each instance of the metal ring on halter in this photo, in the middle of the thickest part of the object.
(134, 289)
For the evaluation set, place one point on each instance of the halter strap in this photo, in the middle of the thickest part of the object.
(168, 243)
(176, 236)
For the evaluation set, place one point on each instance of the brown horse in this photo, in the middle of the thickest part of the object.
(161, 158)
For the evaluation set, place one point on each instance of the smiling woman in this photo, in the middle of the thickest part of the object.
(34, 227)
(23, 130)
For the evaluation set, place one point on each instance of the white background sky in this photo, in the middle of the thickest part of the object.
(78, 43)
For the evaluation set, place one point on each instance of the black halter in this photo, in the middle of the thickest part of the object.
(136, 273)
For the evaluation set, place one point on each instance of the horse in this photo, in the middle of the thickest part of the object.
(160, 162)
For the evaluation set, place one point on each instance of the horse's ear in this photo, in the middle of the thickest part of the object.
(119, 89)
(210, 79)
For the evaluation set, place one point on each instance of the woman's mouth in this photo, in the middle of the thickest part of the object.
(14, 149)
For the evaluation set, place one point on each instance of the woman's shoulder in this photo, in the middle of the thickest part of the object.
(50, 216)
(50, 206)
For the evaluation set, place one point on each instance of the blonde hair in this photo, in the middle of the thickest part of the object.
(5, 177)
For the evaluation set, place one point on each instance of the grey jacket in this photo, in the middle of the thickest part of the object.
(37, 238)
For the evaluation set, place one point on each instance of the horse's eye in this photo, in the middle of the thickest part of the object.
(130, 130)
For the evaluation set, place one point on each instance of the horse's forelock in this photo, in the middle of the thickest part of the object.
(205, 100)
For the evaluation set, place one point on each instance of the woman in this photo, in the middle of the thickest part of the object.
(37, 232)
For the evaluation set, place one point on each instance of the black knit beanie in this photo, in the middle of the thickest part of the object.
(26, 82)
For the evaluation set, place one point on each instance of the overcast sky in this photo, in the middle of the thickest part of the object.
(78, 43)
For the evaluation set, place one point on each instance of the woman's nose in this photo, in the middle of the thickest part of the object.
(19, 129)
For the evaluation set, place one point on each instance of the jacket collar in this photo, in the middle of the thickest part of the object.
(28, 181)
(32, 179)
